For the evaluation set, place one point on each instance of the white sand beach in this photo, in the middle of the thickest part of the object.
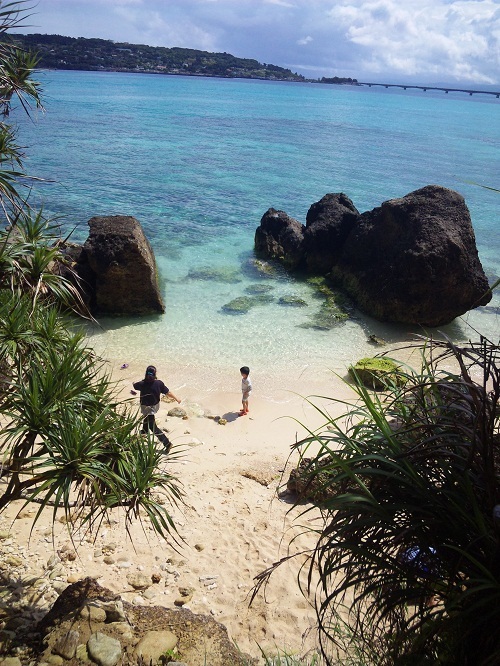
(233, 525)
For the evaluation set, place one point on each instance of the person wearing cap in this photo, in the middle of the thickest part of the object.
(151, 389)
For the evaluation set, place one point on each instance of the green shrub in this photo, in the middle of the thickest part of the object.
(411, 547)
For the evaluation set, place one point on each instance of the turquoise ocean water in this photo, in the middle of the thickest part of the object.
(198, 161)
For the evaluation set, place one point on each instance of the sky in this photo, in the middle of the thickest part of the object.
(420, 41)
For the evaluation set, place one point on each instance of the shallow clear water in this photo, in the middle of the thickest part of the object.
(198, 161)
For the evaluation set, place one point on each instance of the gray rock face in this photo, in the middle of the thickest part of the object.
(118, 262)
(413, 260)
(280, 237)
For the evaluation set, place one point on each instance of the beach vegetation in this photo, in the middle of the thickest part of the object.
(282, 657)
(67, 440)
(406, 560)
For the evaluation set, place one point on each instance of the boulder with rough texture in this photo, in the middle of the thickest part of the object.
(328, 224)
(414, 260)
(118, 262)
(198, 639)
(281, 237)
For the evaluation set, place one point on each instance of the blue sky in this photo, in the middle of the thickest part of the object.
(373, 40)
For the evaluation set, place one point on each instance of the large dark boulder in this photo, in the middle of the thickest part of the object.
(414, 260)
(328, 224)
(119, 267)
(279, 236)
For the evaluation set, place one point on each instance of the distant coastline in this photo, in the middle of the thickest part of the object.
(79, 53)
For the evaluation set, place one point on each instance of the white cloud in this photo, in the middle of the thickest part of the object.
(393, 39)
(281, 3)
(455, 39)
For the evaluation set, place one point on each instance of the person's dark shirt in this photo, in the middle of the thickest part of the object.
(150, 391)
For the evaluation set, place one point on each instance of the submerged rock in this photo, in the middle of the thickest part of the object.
(329, 316)
(226, 274)
(239, 305)
(259, 288)
(294, 301)
(258, 268)
(242, 304)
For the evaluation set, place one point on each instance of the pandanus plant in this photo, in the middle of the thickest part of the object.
(408, 551)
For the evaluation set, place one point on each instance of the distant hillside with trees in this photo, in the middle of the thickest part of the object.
(57, 52)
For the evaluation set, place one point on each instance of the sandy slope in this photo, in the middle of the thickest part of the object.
(233, 524)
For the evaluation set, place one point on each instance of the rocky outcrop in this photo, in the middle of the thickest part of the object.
(90, 624)
(328, 224)
(280, 237)
(412, 260)
(117, 268)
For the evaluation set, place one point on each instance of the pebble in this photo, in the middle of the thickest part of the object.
(81, 653)
(66, 645)
(24, 513)
(93, 613)
(138, 581)
(104, 650)
(52, 561)
(123, 628)
(180, 601)
(138, 601)
(59, 586)
(199, 547)
(154, 644)
(109, 560)
(57, 572)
